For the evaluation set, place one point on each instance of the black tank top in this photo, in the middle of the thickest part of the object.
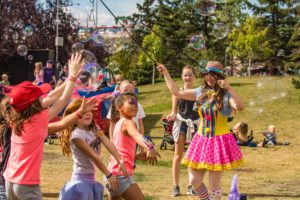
(185, 109)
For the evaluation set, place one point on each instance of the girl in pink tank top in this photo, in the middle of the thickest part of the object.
(125, 137)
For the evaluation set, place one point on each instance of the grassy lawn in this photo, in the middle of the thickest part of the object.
(269, 173)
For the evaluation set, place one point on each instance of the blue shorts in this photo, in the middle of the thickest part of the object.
(123, 184)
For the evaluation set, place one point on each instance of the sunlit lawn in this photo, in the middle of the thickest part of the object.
(269, 173)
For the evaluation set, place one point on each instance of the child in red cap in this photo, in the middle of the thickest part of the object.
(29, 120)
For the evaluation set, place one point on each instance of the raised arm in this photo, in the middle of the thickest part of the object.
(235, 100)
(188, 94)
(53, 95)
(130, 128)
(75, 64)
(69, 120)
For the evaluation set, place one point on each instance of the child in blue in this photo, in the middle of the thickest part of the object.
(83, 140)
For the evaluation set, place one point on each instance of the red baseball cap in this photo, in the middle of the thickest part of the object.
(25, 93)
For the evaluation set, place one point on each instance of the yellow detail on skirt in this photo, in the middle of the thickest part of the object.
(213, 167)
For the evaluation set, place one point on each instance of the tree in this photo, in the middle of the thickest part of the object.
(16, 15)
(294, 44)
(249, 41)
(154, 47)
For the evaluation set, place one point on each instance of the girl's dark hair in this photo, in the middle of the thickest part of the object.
(5, 109)
(118, 101)
(17, 119)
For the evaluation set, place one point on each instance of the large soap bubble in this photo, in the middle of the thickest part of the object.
(90, 77)
(197, 42)
(97, 37)
(77, 47)
(204, 7)
(88, 56)
(220, 30)
(84, 34)
(22, 50)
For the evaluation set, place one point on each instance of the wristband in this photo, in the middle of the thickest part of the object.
(72, 78)
(109, 175)
(148, 142)
(78, 114)
(121, 161)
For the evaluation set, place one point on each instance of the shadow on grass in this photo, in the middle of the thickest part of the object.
(148, 92)
(50, 195)
(241, 84)
(150, 121)
(150, 198)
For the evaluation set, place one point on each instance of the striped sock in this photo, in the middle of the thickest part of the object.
(201, 192)
(216, 195)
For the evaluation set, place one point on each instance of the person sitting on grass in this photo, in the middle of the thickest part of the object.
(270, 138)
(240, 133)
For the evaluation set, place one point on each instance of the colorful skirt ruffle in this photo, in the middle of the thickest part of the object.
(82, 189)
(216, 153)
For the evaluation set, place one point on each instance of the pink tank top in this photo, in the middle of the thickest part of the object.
(126, 148)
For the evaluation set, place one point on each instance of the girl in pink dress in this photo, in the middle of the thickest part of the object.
(213, 147)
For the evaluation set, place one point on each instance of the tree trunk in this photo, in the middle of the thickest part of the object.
(153, 74)
(249, 66)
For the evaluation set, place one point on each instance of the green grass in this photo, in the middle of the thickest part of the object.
(269, 173)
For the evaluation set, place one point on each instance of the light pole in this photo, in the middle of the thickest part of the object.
(57, 22)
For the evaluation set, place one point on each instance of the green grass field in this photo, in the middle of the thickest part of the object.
(269, 173)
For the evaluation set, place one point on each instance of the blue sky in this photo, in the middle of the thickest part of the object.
(119, 7)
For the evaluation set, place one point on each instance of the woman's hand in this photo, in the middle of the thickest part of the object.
(152, 155)
(223, 84)
(171, 116)
(123, 170)
(75, 64)
(113, 182)
(162, 69)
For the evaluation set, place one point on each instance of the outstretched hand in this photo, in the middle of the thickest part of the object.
(88, 105)
(152, 156)
(75, 64)
(162, 69)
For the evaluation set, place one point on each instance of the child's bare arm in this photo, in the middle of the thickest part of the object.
(88, 151)
(53, 96)
(114, 152)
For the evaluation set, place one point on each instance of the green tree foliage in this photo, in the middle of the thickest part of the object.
(294, 44)
(16, 15)
(249, 41)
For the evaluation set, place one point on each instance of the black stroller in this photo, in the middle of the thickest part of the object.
(167, 137)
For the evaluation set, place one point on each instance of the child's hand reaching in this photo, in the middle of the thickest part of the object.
(152, 155)
(75, 64)
(112, 182)
(88, 105)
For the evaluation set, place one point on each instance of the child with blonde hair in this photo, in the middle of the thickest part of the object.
(38, 73)
(83, 140)
(29, 122)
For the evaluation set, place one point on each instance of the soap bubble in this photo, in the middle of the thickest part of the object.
(204, 7)
(28, 30)
(30, 57)
(197, 42)
(84, 34)
(88, 56)
(97, 37)
(90, 76)
(77, 47)
(22, 50)
(220, 30)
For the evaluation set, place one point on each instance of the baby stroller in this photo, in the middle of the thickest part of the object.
(167, 137)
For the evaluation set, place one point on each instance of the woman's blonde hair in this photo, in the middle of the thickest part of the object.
(66, 133)
(17, 119)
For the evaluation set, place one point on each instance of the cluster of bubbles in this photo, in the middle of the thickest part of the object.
(267, 91)
(219, 30)
(109, 38)
(28, 31)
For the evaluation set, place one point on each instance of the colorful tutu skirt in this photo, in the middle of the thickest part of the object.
(82, 187)
(215, 153)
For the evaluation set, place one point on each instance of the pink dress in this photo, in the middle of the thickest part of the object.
(213, 146)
